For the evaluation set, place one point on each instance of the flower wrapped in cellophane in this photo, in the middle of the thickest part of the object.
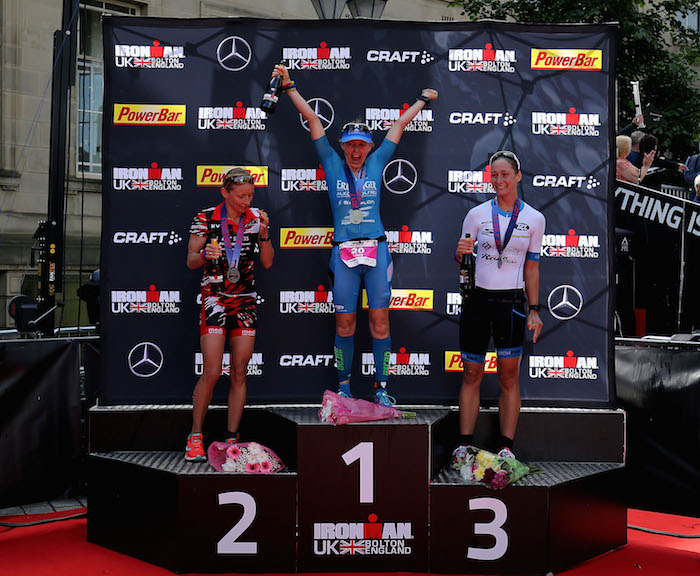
(488, 468)
(337, 409)
(247, 457)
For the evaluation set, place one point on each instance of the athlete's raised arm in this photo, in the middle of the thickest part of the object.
(290, 88)
(396, 131)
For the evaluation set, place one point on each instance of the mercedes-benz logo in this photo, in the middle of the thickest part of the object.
(565, 302)
(145, 360)
(234, 53)
(324, 111)
(400, 176)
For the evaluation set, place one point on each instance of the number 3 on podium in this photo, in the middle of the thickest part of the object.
(364, 452)
(493, 528)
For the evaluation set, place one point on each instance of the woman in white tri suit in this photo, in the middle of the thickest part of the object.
(508, 232)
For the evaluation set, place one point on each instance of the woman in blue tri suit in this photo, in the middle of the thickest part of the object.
(509, 236)
(360, 252)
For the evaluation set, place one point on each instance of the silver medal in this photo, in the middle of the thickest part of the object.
(233, 275)
(500, 262)
(356, 216)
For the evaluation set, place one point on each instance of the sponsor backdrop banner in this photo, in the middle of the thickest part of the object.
(181, 107)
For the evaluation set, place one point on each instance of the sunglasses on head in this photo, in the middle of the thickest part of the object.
(240, 179)
(360, 126)
(505, 154)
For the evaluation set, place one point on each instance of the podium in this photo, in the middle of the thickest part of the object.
(366, 497)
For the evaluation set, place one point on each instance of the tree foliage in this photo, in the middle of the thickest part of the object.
(653, 47)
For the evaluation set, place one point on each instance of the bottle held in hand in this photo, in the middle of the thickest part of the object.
(466, 272)
(216, 273)
(272, 94)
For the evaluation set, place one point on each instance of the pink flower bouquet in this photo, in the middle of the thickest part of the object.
(338, 409)
(247, 457)
(488, 468)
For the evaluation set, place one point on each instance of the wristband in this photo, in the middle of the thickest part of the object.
(203, 254)
(289, 87)
(535, 307)
(425, 99)
(457, 259)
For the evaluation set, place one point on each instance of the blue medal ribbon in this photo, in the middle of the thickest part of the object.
(233, 255)
(355, 195)
(497, 226)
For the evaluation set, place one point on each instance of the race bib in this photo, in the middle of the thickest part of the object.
(356, 252)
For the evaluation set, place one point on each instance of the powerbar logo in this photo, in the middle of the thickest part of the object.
(473, 118)
(366, 538)
(318, 301)
(169, 238)
(384, 118)
(153, 178)
(453, 304)
(155, 56)
(405, 241)
(454, 363)
(565, 123)
(569, 366)
(400, 56)
(303, 179)
(150, 114)
(238, 117)
(482, 60)
(255, 364)
(322, 58)
(571, 245)
(306, 237)
(214, 175)
(564, 59)
(304, 360)
(401, 363)
(405, 299)
(470, 181)
(551, 181)
(149, 301)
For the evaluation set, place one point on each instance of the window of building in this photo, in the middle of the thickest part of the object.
(690, 20)
(90, 79)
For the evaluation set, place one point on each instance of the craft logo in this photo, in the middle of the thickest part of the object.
(473, 118)
(306, 237)
(238, 117)
(405, 299)
(306, 360)
(470, 181)
(454, 304)
(364, 538)
(569, 366)
(153, 178)
(565, 59)
(570, 245)
(384, 118)
(122, 237)
(552, 181)
(401, 363)
(454, 362)
(150, 114)
(407, 241)
(151, 301)
(569, 123)
(255, 364)
(155, 56)
(482, 60)
(214, 175)
(304, 179)
(318, 301)
(322, 58)
(400, 56)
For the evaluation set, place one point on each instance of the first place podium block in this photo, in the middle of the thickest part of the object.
(363, 492)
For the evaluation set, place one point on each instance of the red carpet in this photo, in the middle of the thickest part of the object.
(60, 549)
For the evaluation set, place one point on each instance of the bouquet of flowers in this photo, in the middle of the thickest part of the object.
(495, 471)
(248, 457)
(338, 409)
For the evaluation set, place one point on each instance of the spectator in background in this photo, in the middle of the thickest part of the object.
(627, 171)
(636, 137)
(696, 185)
(649, 143)
(632, 126)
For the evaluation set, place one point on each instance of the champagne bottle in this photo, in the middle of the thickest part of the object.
(466, 272)
(272, 95)
(216, 272)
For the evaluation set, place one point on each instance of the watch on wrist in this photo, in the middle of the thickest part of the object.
(535, 307)
(425, 99)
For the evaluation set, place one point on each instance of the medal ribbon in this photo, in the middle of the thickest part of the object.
(355, 195)
(233, 255)
(497, 225)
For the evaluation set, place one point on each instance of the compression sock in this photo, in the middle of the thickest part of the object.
(344, 350)
(344, 388)
(465, 439)
(505, 442)
(382, 358)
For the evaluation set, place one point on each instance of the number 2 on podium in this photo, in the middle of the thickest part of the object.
(364, 452)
